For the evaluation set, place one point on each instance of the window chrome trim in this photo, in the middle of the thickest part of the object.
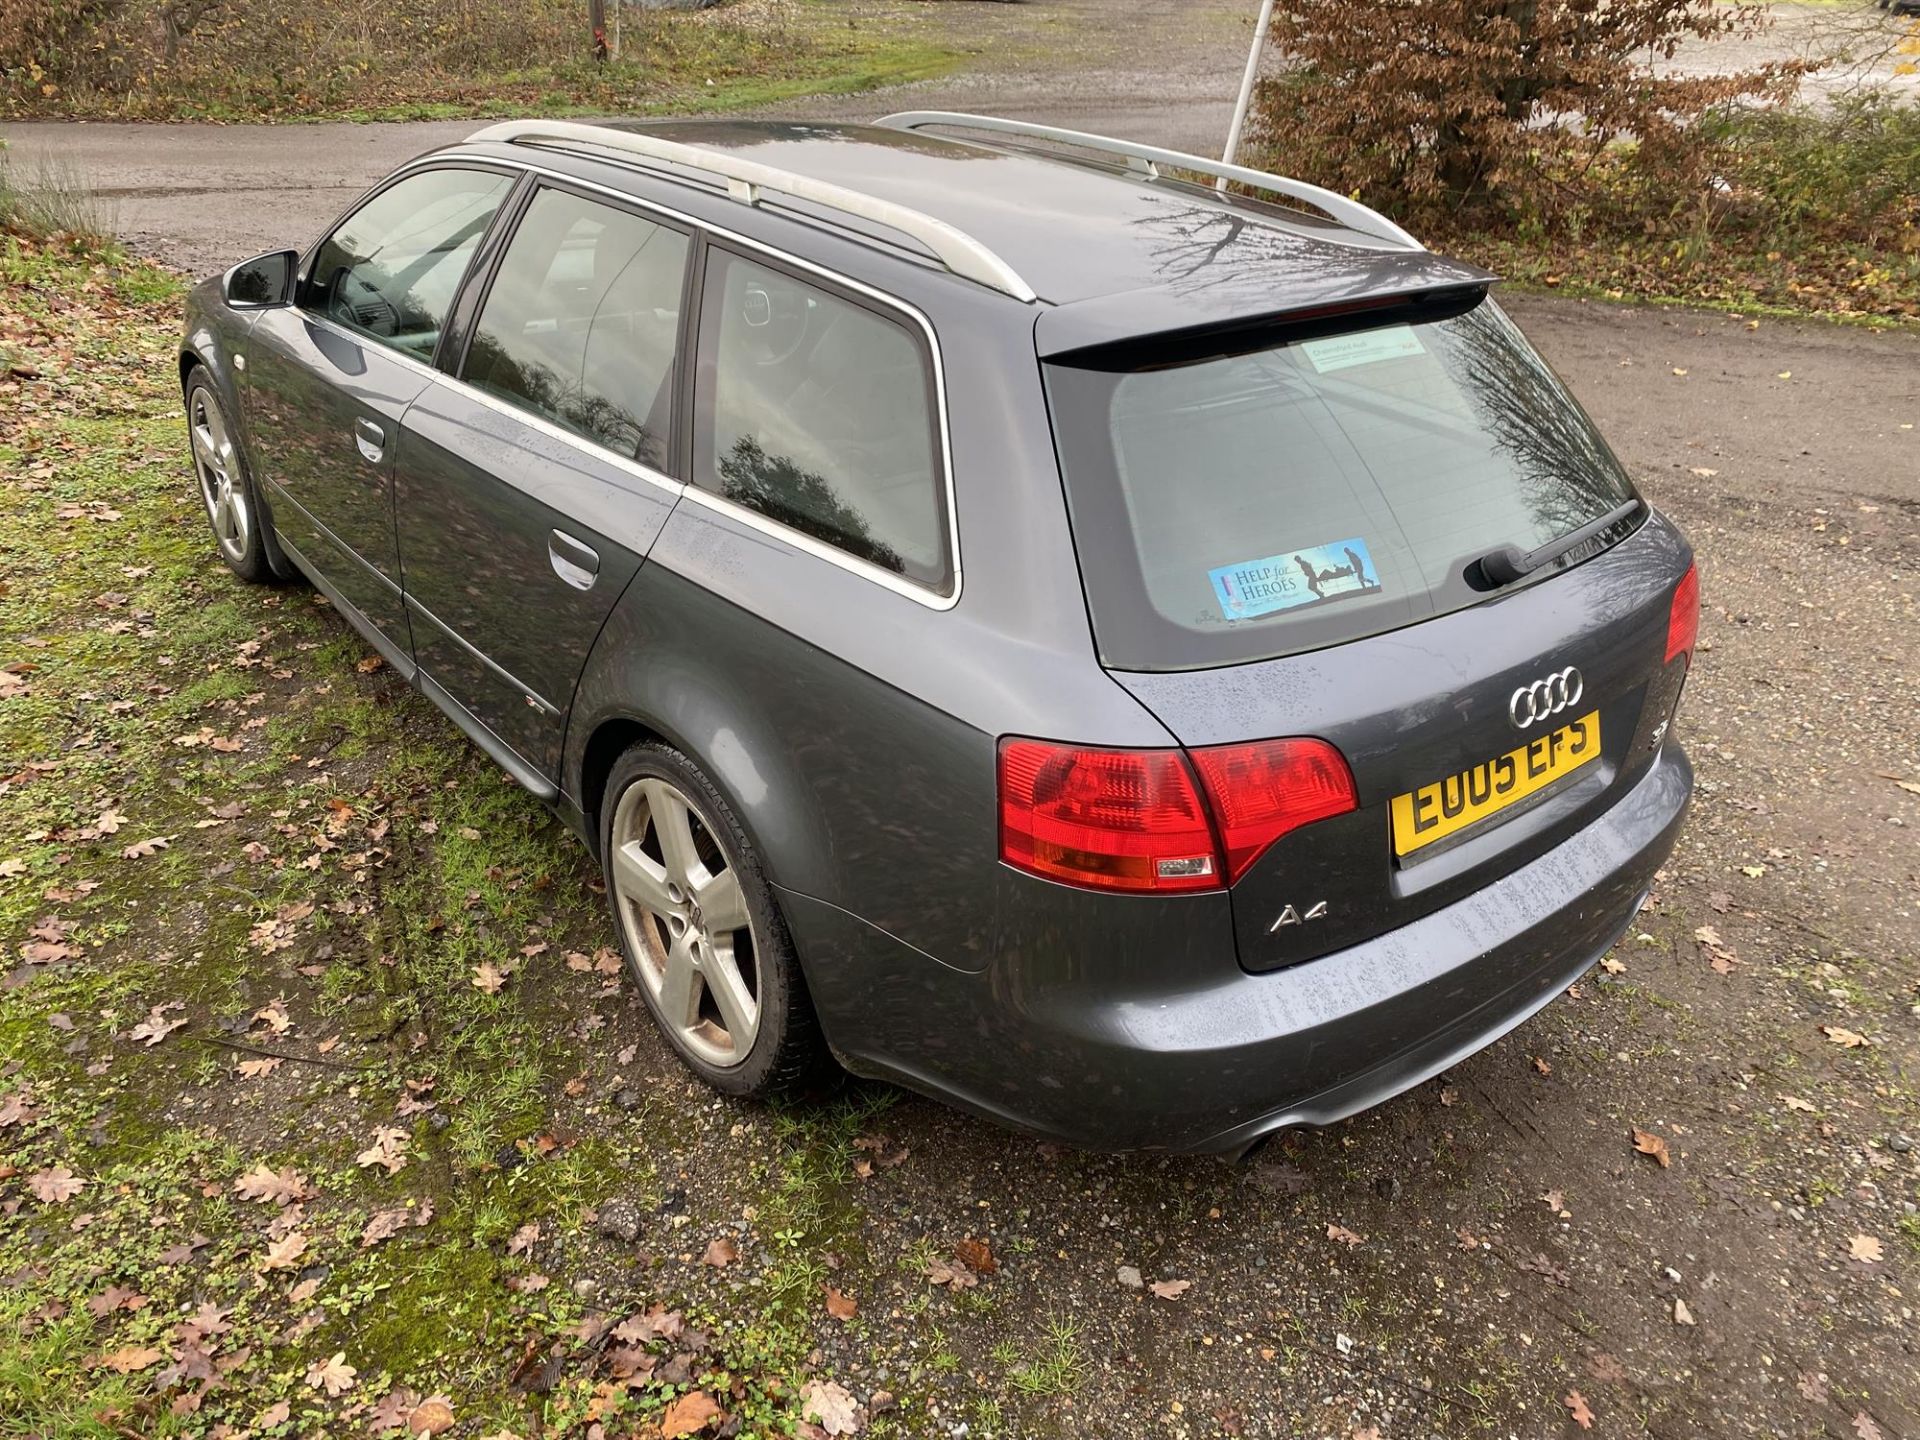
(752, 519)
(591, 448)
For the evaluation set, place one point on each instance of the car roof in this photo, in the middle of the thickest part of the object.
(1136, 254)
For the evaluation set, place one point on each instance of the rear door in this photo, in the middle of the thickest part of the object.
(1291, 541)
(330, 376)
(530, 487)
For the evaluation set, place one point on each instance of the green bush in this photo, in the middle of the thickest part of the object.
(1851, 172)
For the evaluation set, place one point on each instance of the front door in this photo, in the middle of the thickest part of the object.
(331, 376)
(530, 489)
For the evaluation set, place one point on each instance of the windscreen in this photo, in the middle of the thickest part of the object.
(1318, 491)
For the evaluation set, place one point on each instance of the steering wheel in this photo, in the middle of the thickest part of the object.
(357, 302)
(778, 319)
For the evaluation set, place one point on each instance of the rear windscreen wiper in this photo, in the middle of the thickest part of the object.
(1508, 563)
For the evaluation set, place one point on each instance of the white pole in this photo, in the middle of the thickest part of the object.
(1241, 105)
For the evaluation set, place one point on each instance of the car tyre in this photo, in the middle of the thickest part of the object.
(700, 930)
(226, 486)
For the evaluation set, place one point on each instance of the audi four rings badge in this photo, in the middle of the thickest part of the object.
(1533, 703)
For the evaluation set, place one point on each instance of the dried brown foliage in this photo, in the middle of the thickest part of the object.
(1489, 105)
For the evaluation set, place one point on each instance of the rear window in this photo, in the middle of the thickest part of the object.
(1318, 491)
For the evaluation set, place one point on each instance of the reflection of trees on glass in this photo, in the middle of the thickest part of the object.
(562, 398)
(778, 488)
(1566, 475)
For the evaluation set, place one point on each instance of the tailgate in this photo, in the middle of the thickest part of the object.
(1429, 711)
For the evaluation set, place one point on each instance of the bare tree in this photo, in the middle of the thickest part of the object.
(180, 18)
(597, 18)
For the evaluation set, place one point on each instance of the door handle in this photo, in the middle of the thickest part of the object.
(573, 560)
(371, 439)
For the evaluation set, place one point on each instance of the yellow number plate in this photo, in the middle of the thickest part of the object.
(1448, 806)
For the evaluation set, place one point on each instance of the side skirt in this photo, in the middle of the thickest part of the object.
(524, 775)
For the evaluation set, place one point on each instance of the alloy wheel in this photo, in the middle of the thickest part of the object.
(688, 929)
(218, 468)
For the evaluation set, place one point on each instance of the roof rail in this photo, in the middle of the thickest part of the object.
(1147, 161)
(958, 251)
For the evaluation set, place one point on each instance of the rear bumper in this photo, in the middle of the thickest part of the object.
(1213, 1062)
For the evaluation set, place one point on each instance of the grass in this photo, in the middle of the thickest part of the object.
(1056, 1369)
(505, 58)
(54, 201)
(346, 865)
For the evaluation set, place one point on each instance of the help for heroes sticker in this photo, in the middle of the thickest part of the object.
(1333, 571)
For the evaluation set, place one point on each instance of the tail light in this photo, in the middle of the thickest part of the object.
(1259, 792)
(1135, 819)
(1106, 819)
(1683, 618)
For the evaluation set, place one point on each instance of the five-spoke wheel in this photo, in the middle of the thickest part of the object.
(225, 491)
(700, 929)
(214, 461)
(686, 921)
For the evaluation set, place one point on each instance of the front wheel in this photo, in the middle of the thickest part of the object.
(226, 489)
(701, 933)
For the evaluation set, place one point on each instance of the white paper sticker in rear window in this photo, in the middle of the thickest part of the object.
(1389, 342)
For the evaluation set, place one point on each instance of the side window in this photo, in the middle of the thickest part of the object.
(582, 323)
(391, 269)
(818, 413)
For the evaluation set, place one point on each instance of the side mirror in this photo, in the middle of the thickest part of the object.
(262, 282)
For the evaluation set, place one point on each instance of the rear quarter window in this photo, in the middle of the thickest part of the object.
(1310, 493)
(819, 413)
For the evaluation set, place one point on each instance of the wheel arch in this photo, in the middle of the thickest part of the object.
(611, 738)
(633, 694)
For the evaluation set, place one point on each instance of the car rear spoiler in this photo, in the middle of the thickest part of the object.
(1244, 308)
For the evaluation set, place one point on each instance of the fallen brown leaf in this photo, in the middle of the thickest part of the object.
(333, 1375)
(1576, 1404)
(430, 1417)
(952, 1274)
(263, 1182)
(1650, 1144)
(829, 1403)
(689, 1415)
(55, 1186)
(524, 1239)
(976, 1255)
(129, 1358)
(282, 1254)
(388, 1150)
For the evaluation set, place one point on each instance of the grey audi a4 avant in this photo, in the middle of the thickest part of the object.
(1142, 662)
